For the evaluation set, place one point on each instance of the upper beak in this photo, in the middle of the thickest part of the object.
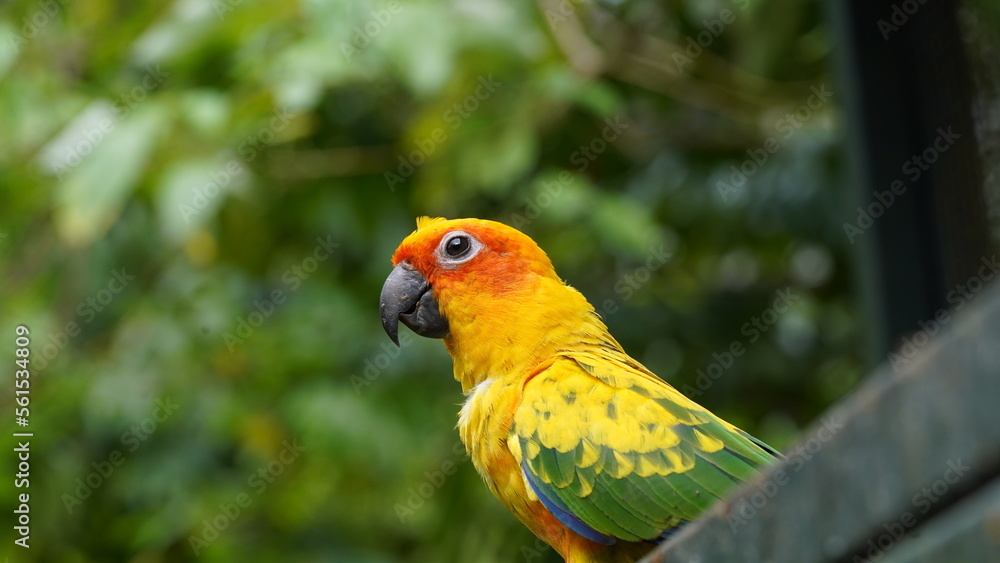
(407, 296)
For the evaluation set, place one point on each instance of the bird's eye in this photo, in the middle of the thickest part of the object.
(457, 246)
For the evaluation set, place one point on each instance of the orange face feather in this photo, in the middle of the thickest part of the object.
(506, 257)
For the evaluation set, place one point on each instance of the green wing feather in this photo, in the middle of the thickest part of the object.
(625, 453)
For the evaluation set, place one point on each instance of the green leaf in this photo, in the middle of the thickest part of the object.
(112, 157)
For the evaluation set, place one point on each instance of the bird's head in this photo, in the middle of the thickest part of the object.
(451, 272)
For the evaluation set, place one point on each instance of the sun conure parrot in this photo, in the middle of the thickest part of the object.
(589, 449)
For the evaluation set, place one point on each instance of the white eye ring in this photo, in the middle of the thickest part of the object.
(458, 247)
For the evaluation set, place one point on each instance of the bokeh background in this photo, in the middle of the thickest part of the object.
(200, 199)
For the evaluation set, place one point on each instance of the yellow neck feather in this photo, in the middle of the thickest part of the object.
(508, 335)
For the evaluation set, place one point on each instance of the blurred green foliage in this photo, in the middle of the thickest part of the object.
(200, 198)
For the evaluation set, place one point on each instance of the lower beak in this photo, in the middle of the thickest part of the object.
(407, 296)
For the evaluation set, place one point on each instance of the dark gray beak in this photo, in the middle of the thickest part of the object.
(407, 296)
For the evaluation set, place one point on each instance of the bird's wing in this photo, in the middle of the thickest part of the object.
(614, 452)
